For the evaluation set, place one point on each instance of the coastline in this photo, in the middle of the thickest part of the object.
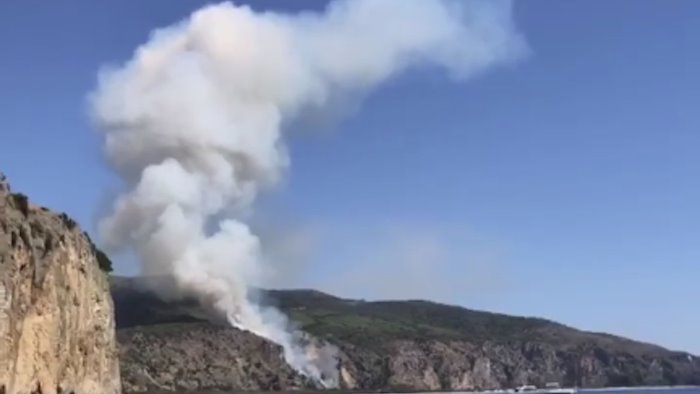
(597, 389)
(645, 388)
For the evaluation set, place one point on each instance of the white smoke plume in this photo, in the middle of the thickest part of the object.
(194, 123)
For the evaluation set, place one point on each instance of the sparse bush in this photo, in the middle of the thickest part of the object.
(21, 202)
(103, 261)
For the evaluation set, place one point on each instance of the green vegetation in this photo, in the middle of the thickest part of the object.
(21, 202)
(376, 323)
(103, 261)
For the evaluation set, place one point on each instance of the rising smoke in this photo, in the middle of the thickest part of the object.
(194, 124)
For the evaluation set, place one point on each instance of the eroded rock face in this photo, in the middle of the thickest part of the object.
(202, 356)
(464, 366)
(57, 329)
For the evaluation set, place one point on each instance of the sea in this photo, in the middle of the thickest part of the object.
(643, 390)
(617, 390)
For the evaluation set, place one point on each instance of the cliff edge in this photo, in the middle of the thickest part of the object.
(57, 330)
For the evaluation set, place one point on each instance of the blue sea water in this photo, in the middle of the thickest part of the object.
(619, 390)
(644, 390)
(623, 390)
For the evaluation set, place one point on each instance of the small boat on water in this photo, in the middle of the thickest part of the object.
(550, 388)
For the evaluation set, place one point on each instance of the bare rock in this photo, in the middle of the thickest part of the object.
(57, 330)
(202, 356)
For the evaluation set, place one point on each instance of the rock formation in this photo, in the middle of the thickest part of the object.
(190, 357)
(56, 316)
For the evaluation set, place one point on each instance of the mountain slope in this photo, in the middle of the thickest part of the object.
(416, 345)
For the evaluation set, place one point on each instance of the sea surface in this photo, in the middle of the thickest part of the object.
(643, 390)
(620, 390)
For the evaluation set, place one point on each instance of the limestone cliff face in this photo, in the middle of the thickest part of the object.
(57, 331)
(462, 366)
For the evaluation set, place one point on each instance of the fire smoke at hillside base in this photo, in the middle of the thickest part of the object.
(194, 122)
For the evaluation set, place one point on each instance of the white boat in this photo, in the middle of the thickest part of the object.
(526, 389)
(549, 389)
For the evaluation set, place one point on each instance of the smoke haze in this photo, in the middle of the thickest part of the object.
(194, 124)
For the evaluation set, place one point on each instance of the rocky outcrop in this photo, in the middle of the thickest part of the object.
(170, 346)
(201, 356)
(57, 331)
(403, 345)
(464, 366)
(198, 356)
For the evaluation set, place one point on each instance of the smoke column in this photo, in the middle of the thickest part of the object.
(194, 123)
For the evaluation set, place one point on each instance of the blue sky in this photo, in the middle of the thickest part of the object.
(565, 185)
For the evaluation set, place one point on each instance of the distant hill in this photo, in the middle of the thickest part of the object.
(421, 345)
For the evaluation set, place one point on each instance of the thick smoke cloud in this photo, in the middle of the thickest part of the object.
(194, 123)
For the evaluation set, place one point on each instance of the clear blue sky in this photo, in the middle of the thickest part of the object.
(565, 186)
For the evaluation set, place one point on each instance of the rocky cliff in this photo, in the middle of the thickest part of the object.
(403, 345)
(467, 366)
(56, 316)
(194, 356)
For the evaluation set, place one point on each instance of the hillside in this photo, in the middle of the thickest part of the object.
(417, 345)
